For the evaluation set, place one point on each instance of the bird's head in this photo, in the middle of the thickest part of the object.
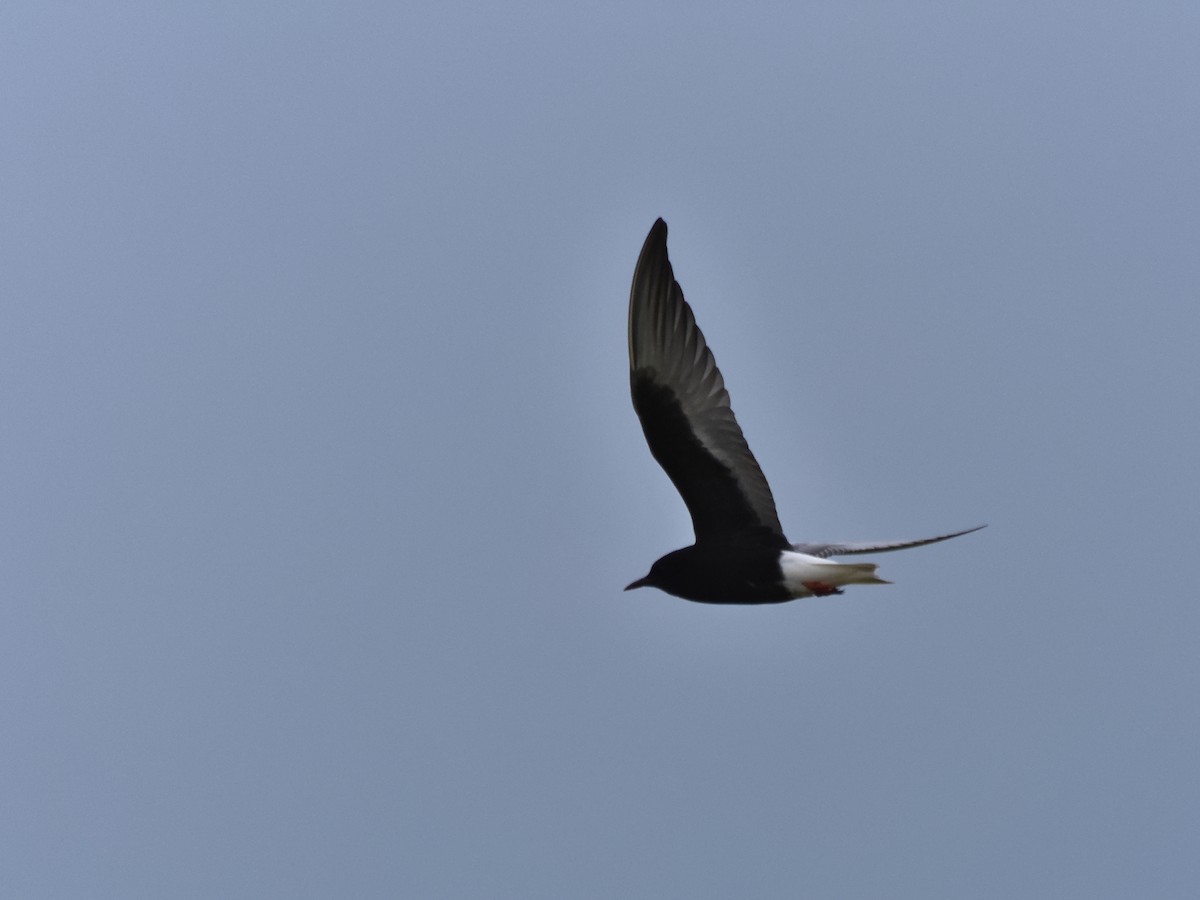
(665, 573)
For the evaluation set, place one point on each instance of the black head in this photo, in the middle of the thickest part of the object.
(742, 570)
(691, 573)
(664, 574)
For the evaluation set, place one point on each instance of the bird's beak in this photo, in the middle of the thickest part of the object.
(641, 582)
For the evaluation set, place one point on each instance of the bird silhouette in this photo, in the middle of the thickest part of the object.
(740, 554)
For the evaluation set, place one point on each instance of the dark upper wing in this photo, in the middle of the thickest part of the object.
(825, 550)
(681, 399)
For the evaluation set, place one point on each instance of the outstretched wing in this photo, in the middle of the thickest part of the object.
(826, 550)
(680, 397)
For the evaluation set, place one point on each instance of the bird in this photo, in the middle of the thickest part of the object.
(740, 555)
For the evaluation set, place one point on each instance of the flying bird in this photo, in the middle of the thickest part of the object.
(740, 555)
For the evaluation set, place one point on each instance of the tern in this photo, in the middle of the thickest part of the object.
(740, 555)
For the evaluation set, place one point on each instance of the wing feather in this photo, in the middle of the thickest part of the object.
(680, 397)
(827, 550)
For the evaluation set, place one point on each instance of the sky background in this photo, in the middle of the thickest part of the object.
(321, 479)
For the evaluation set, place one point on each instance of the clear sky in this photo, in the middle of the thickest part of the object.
(321, 480)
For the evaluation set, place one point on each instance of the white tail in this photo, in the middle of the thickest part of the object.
(806, 576)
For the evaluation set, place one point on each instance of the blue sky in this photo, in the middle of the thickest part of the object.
(322, 481)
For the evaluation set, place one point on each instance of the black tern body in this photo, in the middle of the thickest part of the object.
(740, 554)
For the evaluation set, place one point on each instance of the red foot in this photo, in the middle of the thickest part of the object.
(821, 589)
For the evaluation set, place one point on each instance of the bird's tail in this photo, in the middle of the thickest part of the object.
(858, 573)
(831, 577)
(806, 575)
